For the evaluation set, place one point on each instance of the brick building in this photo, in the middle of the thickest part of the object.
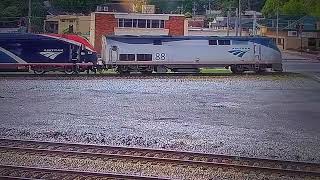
(114, 23)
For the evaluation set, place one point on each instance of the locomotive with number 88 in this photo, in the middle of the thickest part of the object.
(149, 54)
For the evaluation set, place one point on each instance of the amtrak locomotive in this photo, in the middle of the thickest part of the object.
(42, 53)
(187, 54)
(71, 53)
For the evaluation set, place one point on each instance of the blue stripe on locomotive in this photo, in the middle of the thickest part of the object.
(265, 41)
(4, 58)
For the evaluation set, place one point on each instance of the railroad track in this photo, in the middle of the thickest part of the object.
(20, 172)
(239, 164)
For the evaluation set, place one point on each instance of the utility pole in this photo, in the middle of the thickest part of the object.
(254, 27)
(228, 22)
(236, 22)
(240, 27)
(29, 17)
(194, 9)
(277, 31)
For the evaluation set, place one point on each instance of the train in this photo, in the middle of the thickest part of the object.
(147, 54)
(71, 54)
(42, 53)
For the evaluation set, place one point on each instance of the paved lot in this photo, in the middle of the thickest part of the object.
(261, 116)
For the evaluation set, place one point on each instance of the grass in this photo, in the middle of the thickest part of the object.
(204, 70)
(216, 71)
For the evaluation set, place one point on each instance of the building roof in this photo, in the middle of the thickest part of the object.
(266, 41)
(140, 14)
(222, 22)
(290, 22)
(59, 17)
(116, 7)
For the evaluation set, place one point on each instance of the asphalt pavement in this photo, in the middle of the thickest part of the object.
(301, 63)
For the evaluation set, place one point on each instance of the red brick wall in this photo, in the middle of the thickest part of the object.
(194, 23)
(104, 25)
(175, 25)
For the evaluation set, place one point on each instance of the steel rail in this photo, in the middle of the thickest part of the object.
(138, 75)
(157, 155)
(50, 173)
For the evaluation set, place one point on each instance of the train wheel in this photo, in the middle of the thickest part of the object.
(39, 71)
(69, 71)
(123, 71)
(237, 69)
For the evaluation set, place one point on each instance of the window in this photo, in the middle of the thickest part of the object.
(155, 24)
(224, 42)
(157, 42)
(141, 23)
(213, 42)
(127, 57)
(121, 23)
(144, 57)
(70, 29)
(280, 40)
(162, 24)
(293, 33)
(128, 23)
(148, 23)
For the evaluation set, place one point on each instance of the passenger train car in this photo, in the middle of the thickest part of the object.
(42, 53)
(189, 53)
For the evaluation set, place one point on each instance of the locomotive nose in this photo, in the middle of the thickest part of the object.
(277, 66)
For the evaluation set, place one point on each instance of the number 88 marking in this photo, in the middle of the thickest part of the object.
(160, 56)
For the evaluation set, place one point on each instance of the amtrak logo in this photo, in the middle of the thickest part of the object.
(240, 52)
(51, 53)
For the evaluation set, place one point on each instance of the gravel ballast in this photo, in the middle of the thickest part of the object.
(268, 117)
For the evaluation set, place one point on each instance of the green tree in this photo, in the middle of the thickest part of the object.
(295, 7)
(271, 6)
(292, 7)
(11, 11)
(313, 7)
(13, 8)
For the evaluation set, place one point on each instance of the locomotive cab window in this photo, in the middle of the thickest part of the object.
(213, 42)
(144, 57)
(127, 57)
(224, 42)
